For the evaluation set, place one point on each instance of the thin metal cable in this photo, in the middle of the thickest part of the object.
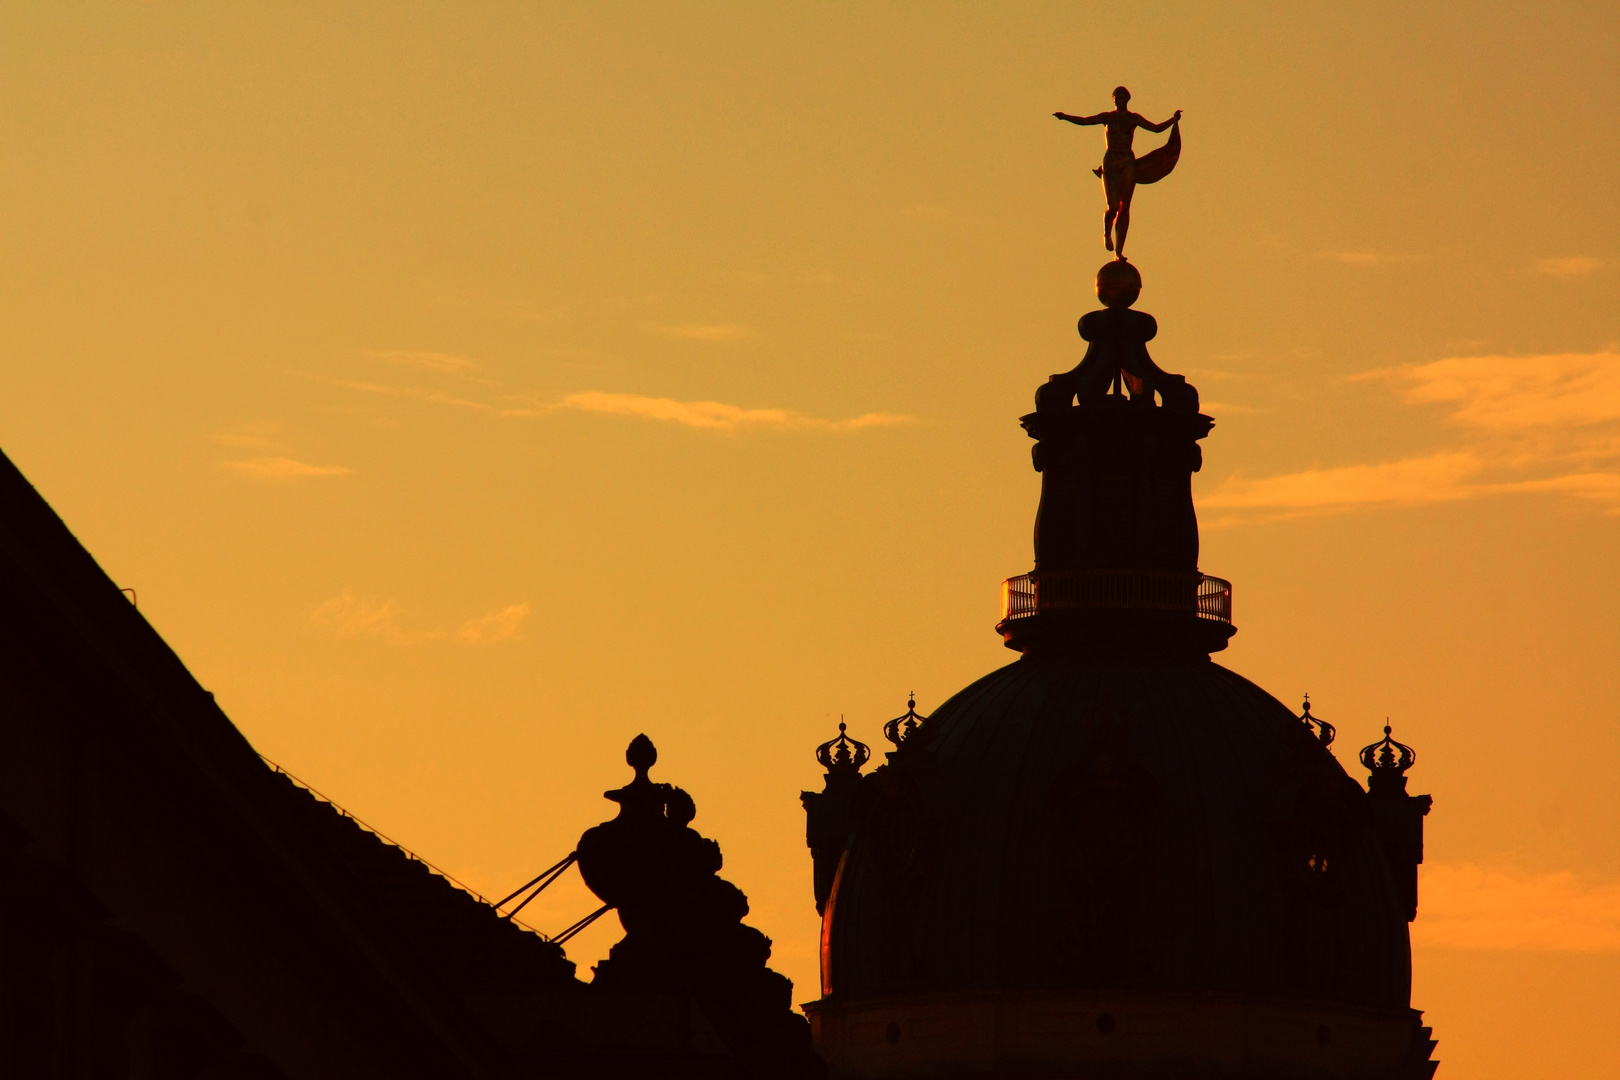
(503, 901)
(555, 873)
(582, 924)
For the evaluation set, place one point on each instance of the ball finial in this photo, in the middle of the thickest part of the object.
(1118, 284)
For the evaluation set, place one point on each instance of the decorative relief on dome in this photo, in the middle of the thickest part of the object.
(1317, 845)
(1105, 824)
(901, 835)
(1318, 835)
(881, 820)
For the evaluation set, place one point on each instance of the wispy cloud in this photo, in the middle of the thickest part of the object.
(1519, 392)
(1436, 478)
(1368, 257)
(718, 416)
(496, 626)
(1537, 423)
(829, 279)
(430, 395)
(347, 616)
(282, 468)
(1570, 266)
(1469, 907)
(710, 415)
(243, 441)
(449, 363)
(705, 332)
(255, 436)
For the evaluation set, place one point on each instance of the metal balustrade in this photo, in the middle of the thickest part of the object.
(1118, 590)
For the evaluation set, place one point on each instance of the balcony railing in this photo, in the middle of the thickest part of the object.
(1116, 590)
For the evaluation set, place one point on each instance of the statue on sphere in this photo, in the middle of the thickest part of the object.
(1121, 169)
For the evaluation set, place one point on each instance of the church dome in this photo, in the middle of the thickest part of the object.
(1086, 818)
(1114, 856)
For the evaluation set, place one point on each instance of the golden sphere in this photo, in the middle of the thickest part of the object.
(1118, 284)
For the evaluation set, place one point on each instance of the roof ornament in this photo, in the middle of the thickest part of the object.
(1320, 730)
(1121, 170)
(901, 728)
(1388, 754)
(843, 754)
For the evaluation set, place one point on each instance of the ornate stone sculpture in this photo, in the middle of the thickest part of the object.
(1116, 357)
(1116, 491)
(683, 925)
(1399, 815)
(1121, 169)
(1105, 811)
(827, 812)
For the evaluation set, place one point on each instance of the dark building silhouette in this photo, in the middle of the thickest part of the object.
(173, 909)
(1114, 857)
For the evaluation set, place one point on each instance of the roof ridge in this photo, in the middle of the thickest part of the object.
(457, 928)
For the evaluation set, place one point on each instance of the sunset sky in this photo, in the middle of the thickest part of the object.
(466, 388)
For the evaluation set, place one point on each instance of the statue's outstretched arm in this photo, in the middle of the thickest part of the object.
(1158, 127)
(1099, 118)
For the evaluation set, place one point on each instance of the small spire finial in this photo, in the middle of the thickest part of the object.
(641, 755)
(1388, 755)
(901, 728)
(843, 754)
(1320, 730)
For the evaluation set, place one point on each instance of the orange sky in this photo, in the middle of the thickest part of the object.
(466, 389)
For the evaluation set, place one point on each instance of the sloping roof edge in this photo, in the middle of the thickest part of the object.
(115, 637)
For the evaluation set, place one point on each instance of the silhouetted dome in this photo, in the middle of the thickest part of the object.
(1092, 819)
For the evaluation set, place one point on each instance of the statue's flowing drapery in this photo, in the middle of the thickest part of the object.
(1155, 165)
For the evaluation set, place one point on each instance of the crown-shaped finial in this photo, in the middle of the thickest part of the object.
(1322, 731)
(843, 754)
(902, 728)
(1387, 754)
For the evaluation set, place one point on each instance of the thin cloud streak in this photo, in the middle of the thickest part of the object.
(1531, 414)
(417, 393)
(1469, 907)
(1437, 478)
(1367, 258)
(704, 333)
(282, 469)
(718, 416)
(1518, 392)
(447, 363)
(707, 415)
(349, 616)
(1572, 266)
(496, 626)
(254, 436)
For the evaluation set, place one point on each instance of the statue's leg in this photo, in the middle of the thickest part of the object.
(1110, 187)
(1126, 186)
